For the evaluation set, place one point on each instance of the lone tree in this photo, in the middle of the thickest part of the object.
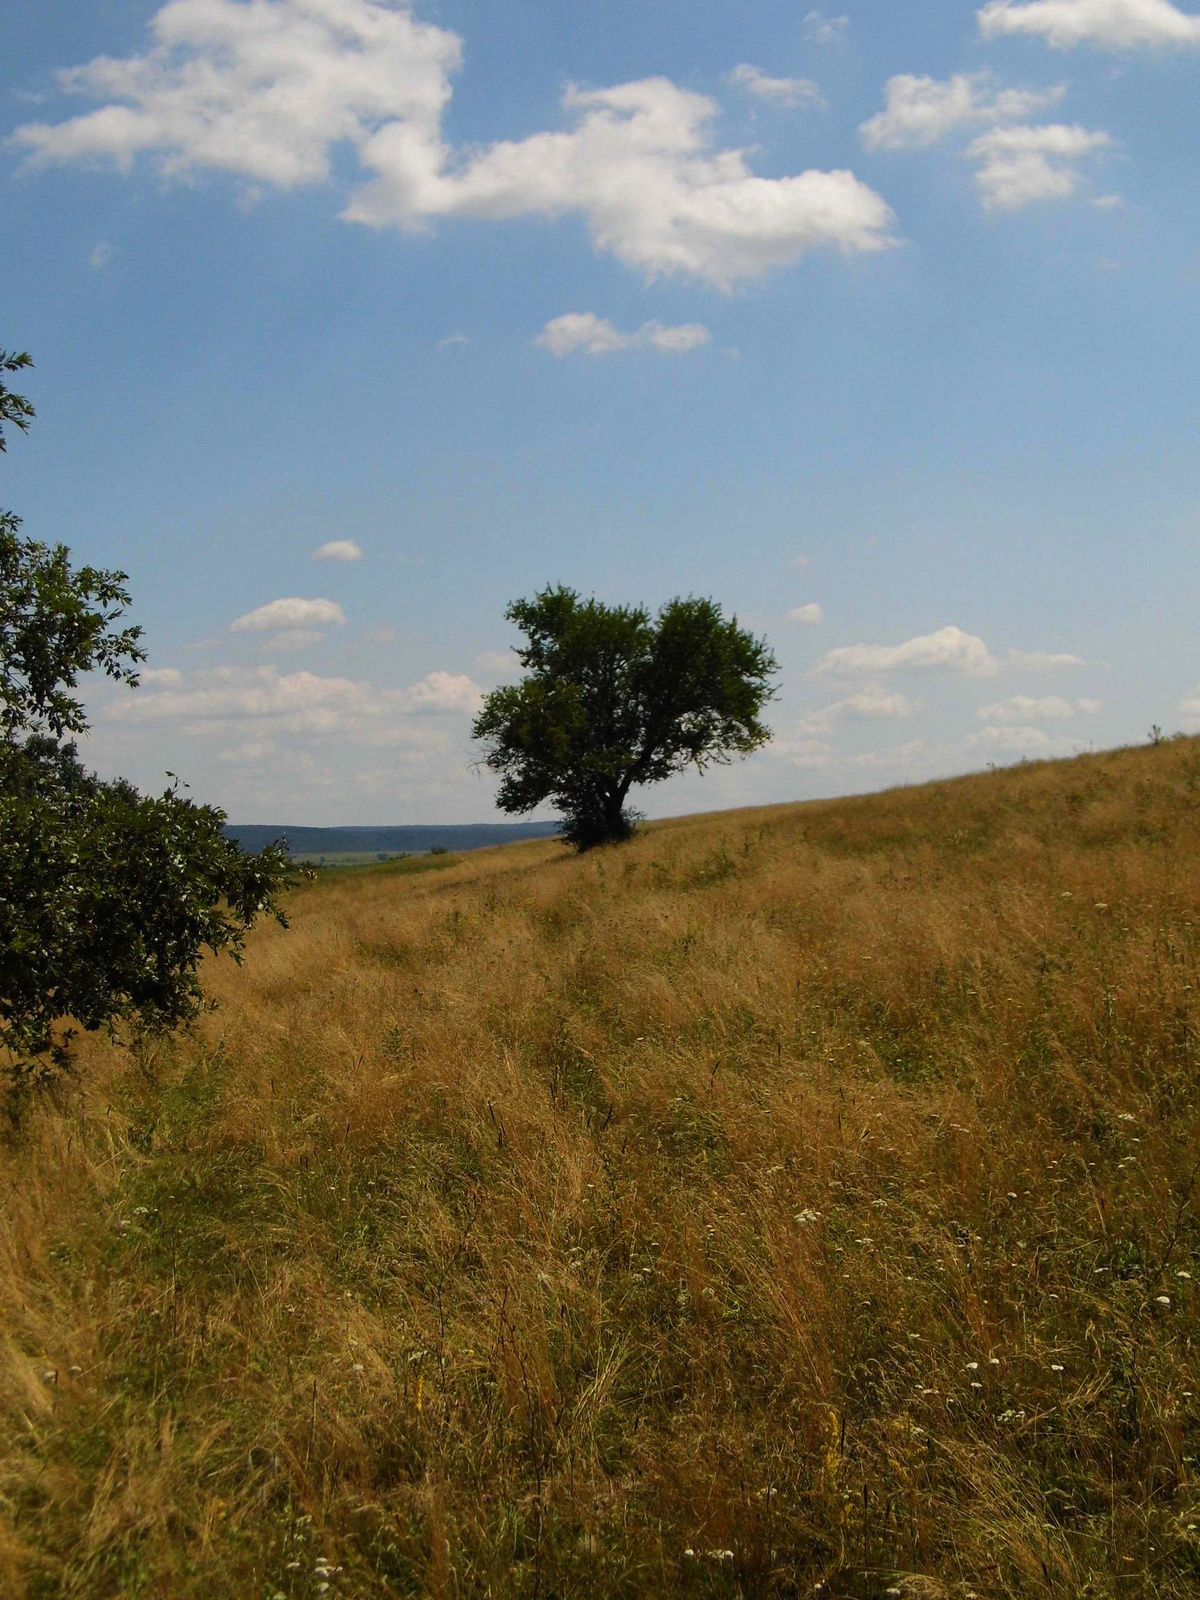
(108, 898)
(613, 698)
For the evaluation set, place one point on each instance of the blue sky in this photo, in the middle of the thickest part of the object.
(878, 324)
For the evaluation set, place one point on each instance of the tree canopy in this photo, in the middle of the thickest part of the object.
(108, 898)
(614, 698)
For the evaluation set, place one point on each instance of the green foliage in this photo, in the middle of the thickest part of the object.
(55, 621)
(108, 898)
(613, 698)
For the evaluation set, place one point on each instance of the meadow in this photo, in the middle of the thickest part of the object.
(792, 1201)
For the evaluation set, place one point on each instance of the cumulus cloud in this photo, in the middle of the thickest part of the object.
(444, 691)
(160, 677)
(584, 331)
(1033, 708)
(1011, 741)
(223, 696)
(824, 30)
(790, 92)
(876, 705)
(292, 639)
(918, 112)
(810, 613)
(1189, 708)
(639, 166)
(497, 660)
(262, 90)
(267, 90)
(1016, 162)
(1108, 24)
(1044, 660)
(232, 700)
(289, 613)
(338, 550)
(803, 752)
(868, 704)
(947, 650)
(1019, 165)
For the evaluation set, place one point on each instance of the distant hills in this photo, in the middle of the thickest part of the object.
(360, 841)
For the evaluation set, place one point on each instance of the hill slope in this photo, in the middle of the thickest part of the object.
(791, 1201)
(346, 841)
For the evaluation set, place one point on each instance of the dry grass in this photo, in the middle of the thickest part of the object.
(792, 1198)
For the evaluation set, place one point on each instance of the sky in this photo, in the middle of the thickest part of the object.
(355, 320)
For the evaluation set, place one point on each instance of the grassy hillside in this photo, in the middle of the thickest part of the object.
(795, 1200)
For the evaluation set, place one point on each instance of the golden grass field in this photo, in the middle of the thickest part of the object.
(799, 1201)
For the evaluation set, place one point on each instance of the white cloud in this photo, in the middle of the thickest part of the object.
(584, 331)
(803, 752)
(1016, 162)
(443, 691)
(224, 700)
(1189, 708)
(1109, 24)
(100, 255)
(267, 90)
(873, 704)
(789, 92)
(799, 561)
(824, 30)
(1020, 164)
(160, 677)
(289, 613)
(453, 339)
(502, 661)
(1090, 708)
(248, 753)
(1027, 708)
(901, 755)
(918, 112)
(868, 704)
(222, 697)
(1044, 660)
(292, 639)
(639, 167)
(809, 613)
(263, 90)
(338, 550)
(1011, 741)
(947, 650)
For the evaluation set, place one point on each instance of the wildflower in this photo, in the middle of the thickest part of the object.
(807, 1215)
(1182, 1274)
(972, 1366)
(1163, 1299)
(1101, 905)
(1056, 1366)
